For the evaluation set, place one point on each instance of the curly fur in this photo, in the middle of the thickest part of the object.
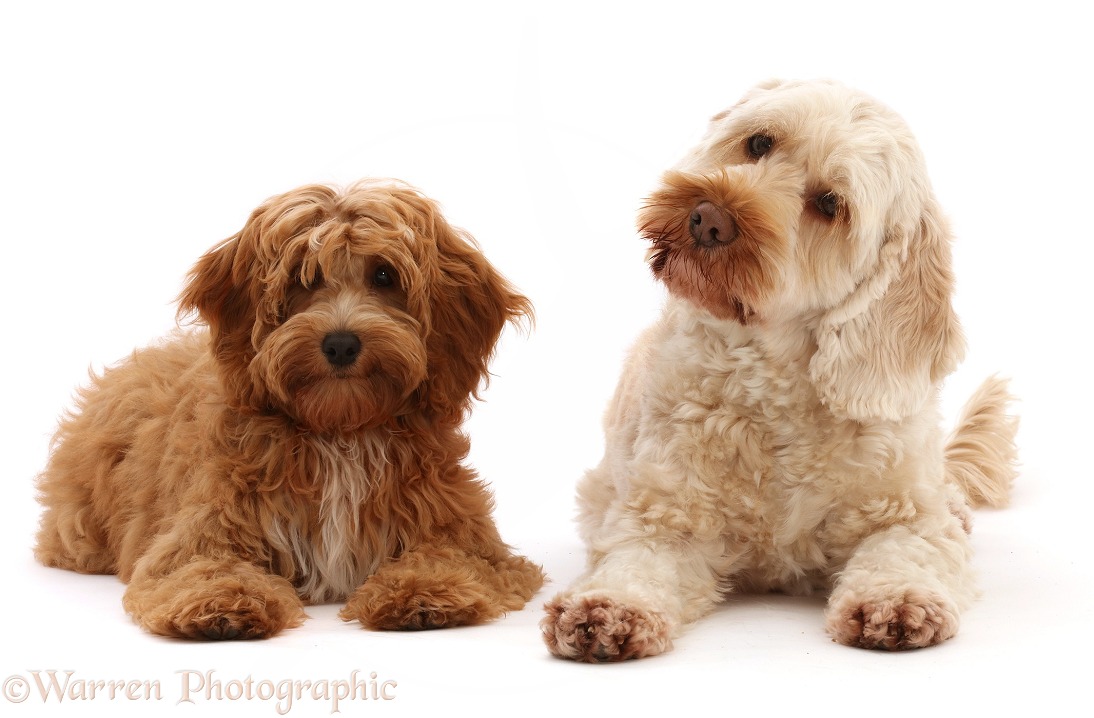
(777, 428)
(233, 473)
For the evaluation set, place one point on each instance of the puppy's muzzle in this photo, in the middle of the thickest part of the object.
(711, 226)
(341, 348)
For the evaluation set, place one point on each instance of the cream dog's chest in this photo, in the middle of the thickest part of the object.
(757, 446)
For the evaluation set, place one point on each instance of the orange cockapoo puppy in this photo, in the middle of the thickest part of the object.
(306, 447)
(777, 428)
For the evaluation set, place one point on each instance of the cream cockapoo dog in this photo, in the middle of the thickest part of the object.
(777, 429)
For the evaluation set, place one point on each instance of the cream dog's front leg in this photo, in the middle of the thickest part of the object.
(904, 587)
(634, 598)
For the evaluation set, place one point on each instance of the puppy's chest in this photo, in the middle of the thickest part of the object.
(332, 543)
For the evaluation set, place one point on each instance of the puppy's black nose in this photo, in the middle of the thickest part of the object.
(710, 225)
(341, 348)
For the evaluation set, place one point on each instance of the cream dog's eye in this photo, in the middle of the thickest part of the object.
(759, 145)
(383, 277)
(827, 204)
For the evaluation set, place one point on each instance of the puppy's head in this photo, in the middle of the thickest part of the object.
(345, 309)
(807, 204)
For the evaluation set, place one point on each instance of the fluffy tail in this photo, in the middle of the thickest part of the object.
(980, 453)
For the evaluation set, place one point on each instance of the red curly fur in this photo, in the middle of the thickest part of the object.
(234, 474)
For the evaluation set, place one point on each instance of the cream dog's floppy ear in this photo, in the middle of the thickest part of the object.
(881, 352)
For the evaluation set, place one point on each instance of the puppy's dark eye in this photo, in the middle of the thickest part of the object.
(759, 145)
(383, 277)
(827, 204)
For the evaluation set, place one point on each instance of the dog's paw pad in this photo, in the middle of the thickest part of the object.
(413, 606)
(222, 629)
(914, 620)
(242, 620)
(599, 630)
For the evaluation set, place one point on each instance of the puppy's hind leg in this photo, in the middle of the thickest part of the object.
(69, 537)
(74, 532)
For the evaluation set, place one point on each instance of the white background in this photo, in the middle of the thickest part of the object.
(136, 136)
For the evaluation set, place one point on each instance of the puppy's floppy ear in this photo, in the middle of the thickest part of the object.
(882, 351)
(214, 290)
(219, 288)
(238, 286)
(469, 305)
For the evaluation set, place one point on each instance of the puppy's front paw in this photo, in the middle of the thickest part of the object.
(409, 602)
(205, 601)
(914, 620)
(229, 616)
(596, 629)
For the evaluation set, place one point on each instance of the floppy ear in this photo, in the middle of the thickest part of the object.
(238, 286)
(215, 291)
(470, 304)
(220, 288)
(882, 352)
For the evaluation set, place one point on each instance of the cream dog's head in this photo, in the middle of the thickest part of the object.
(808, 204)
(345, 309)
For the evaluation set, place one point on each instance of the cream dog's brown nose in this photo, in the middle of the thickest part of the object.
(710, 225)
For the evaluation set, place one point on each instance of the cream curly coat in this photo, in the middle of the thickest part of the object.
(777, 428)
